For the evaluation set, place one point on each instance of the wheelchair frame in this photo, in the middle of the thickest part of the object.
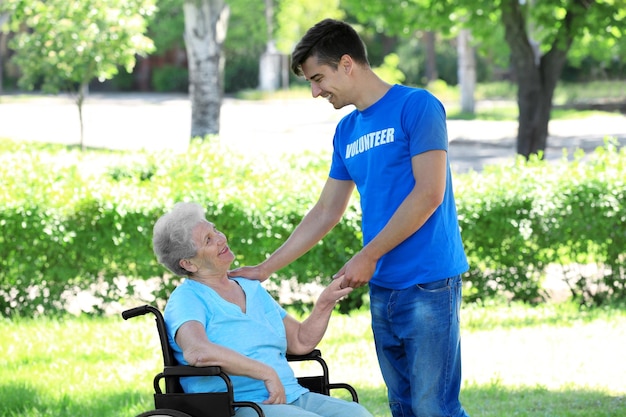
(174, 402)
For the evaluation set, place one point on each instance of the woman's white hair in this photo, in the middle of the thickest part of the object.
(172, 235)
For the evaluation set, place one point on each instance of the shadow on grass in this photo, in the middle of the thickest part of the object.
(479, 400)
(22, 400)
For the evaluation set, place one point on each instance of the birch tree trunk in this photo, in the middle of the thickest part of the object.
(431, 57)
(270, 63)
(467, 71)
(206, 23)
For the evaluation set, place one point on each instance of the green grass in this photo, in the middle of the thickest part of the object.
(552, 360)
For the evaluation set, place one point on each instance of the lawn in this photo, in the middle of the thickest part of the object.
(552, 360)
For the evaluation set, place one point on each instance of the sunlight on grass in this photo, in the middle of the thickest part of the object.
(538, 360)
(553, 358)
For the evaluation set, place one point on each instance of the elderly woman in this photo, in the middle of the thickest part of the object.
(234, 323)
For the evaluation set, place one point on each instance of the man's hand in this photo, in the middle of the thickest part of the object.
(357, 272)
(250, 272)
(275, 389)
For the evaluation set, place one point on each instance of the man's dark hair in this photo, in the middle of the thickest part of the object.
(328, 40)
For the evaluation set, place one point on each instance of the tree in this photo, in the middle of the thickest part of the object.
(206, 24)
(63, 45)
(295, 17)
(538, 39)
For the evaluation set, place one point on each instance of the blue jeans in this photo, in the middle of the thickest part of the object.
(309, 405)
(416, 332)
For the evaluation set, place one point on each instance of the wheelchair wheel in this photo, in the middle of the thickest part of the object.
(164, 412)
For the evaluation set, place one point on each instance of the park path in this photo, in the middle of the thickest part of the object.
(162, 122)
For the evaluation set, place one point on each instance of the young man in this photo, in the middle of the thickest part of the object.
(393, 148)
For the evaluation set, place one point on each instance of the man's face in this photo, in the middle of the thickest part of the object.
(327, 82)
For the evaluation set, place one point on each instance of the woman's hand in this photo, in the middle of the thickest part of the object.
(334, 292)
(275, 389)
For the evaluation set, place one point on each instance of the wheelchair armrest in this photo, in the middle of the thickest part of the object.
(179, 371)
(185, 370)
(139, 311)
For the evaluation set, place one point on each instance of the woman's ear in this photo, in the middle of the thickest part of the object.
(187, 265)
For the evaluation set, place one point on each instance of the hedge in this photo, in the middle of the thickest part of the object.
(517, 220)
(75, 220)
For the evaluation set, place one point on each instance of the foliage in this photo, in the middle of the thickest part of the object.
(601, 29)
(245, 42)
(74, 221)
(63, 45)
(518, 220)
(70, 43)
(87, 219)
(389, 71)
(538, 37)
(166, 26)
(170, 78)
(294, 18)
(412, 54)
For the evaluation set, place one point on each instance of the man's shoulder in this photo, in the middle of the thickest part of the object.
(412, 92)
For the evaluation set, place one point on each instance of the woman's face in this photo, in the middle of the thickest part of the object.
(213, 251)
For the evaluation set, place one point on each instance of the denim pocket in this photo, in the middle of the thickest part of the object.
(396, 409)
(442, 284)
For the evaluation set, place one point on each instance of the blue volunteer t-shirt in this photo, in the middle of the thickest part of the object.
(259, 333)
(374, 148)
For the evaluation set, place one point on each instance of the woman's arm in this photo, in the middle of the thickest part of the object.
(304, 337)
(199, 351)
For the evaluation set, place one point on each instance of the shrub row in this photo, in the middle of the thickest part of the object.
(518, 220)
(75, 220)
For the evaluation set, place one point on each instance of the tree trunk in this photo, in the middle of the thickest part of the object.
(80, 100)
(270, 66)
(431, 57)
(1, 62)
(467, 71)
(270, 63)
(537, 77)
(4, 17)
(206, 22)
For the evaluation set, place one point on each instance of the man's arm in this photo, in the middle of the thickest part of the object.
(429, 171)
(324, 215)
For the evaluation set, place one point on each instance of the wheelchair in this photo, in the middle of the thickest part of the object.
(174, 402)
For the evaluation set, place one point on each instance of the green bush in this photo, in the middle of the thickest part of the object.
(517, 220)
(170, 78)
(75, 220)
